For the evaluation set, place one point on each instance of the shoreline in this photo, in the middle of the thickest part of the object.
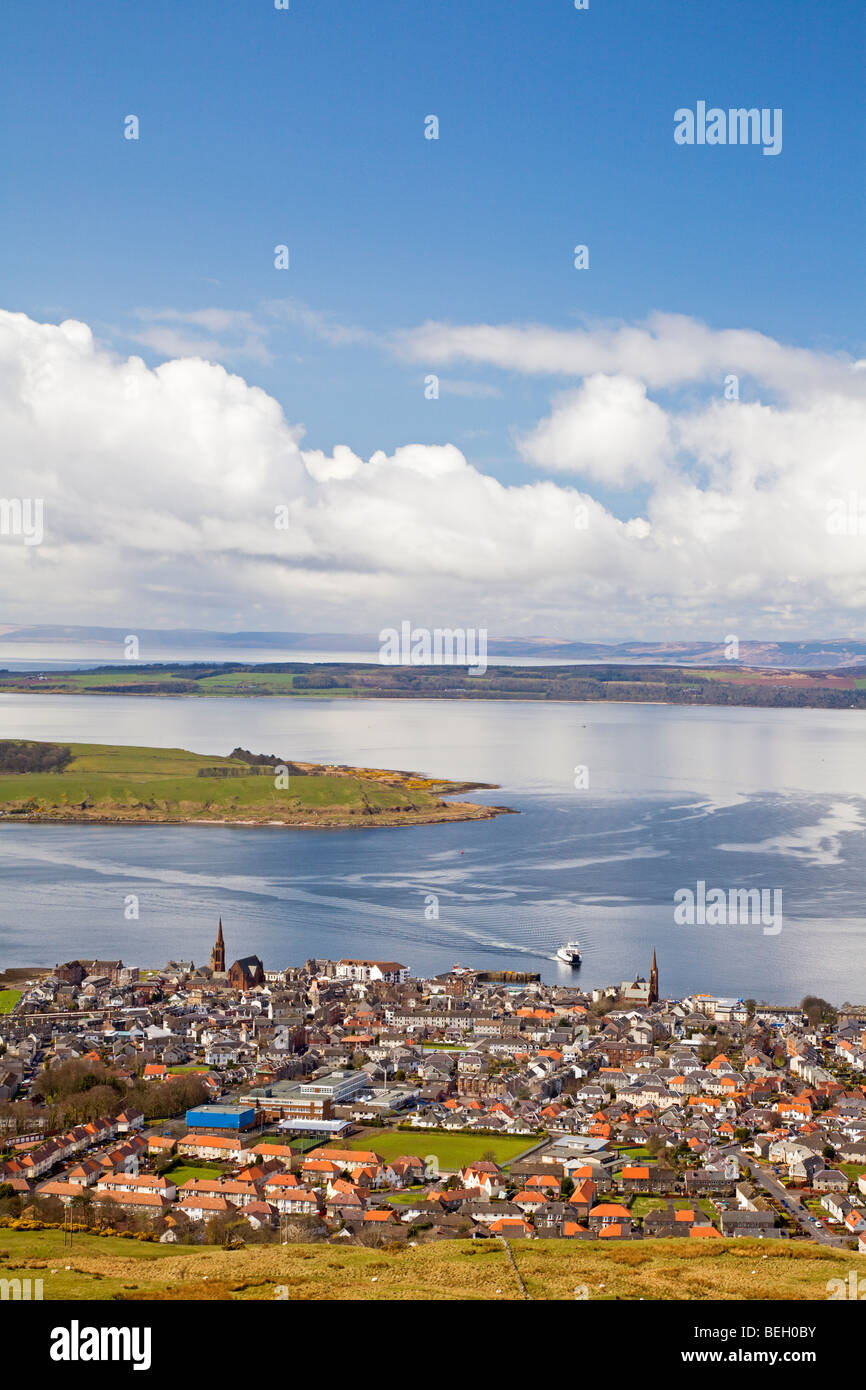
(490, 698)
(466, 811)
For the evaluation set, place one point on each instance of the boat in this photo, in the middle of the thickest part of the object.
(570, 953)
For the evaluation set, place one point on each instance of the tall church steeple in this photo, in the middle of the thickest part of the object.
(218, 954)
(654, 980)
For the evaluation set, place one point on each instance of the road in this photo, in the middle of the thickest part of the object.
(789, 1202)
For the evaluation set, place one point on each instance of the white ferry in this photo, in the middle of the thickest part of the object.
(570, 953)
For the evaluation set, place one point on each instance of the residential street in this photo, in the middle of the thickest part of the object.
(808, 1224)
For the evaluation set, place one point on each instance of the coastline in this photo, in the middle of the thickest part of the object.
(449, 815)
(527, 697)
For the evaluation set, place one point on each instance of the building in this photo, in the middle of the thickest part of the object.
(336, 1086)
(218, 954)
(246, 973)
(654, 980)
(368, 971)
(221, 1117)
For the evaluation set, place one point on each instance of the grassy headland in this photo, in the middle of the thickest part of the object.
(111, 785)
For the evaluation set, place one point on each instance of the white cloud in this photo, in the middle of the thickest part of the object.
(166, 333)
(607, 429)
(160, 488)
(665, 351)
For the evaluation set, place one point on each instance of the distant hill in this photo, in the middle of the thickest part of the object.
(819, 654)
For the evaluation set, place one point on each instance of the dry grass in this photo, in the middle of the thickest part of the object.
(462, 1270)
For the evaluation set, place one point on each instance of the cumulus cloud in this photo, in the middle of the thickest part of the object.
(607, 429)
(162, 488)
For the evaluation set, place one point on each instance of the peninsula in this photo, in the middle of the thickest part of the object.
(101, 784)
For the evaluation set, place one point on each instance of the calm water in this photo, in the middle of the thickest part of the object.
(738, 798)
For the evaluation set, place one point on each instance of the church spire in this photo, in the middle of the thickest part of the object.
(218, 954)
(654, 980)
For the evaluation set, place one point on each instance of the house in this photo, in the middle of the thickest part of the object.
(581, 1200)
(837, 1206)
(389, 971)
(219, 1146)
(486, 1213)
(160, 1145)
(486, 1177)
(151, 1204)
(747, 1223)
(84, 1174)
(294, 1201)
(260, 1215)
(854, 1221)
(129, 1120)
(143, 1182)
(529, 1200)
(635, 1178)
(239, 1194)
(65, 1192)
(511, 1226)
(829, 1180)
(609, 1214)
(668, 1222)
(202, 1208)
(384, 1218)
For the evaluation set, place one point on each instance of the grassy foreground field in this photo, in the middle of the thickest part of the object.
(107, 784)
(112, 1268)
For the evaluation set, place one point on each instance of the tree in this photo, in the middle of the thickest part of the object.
(818, 1010)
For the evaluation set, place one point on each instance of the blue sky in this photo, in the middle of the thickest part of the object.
(306, 127)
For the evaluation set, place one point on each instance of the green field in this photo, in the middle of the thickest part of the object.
(131, 785)
(641, 1204)
(185, 1172)
(8, 999)
(113, 1268)
(452, 1150)
(605, 680)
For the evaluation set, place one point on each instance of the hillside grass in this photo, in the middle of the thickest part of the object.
(112, 1268)
(111, 782)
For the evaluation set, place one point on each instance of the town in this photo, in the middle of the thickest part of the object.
(349, 1101)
